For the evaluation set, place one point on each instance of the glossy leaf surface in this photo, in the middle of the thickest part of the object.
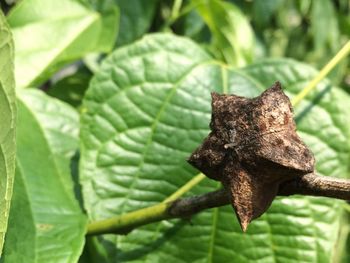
(49, 34)
(8, 124)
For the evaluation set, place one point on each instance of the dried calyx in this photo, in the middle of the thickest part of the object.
(252, 148)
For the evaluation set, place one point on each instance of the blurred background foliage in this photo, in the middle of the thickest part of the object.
(238, 32)
(306, 30)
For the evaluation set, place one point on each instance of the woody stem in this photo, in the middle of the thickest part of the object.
(309, 184)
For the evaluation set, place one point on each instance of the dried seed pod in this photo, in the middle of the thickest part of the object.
(253, 147)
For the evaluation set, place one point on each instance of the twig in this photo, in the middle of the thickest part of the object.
(342, 53)
(185, 188)
(309, 184)
(315, 185)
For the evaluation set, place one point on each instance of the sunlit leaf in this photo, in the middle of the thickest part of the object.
(46, 222)
(56, 33)
(8, 124)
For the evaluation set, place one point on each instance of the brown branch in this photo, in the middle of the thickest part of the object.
(309, 184)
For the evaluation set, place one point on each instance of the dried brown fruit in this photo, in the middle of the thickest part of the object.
(253, 147)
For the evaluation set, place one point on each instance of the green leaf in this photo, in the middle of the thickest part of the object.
(195, 27)
(135, 16)
(109, 27)
(346, 256)
(58, 32)
(324, 25)
(135, 19)
(343, 246)
(46, 222)
(140, 126)
(109, 12)
(264, 10)
(71, 89)
(8, 124)
(232, 35)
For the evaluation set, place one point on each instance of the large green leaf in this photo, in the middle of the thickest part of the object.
(50, 33)
(46, 222)
(232, 35)
(7, 127)
(149, 107)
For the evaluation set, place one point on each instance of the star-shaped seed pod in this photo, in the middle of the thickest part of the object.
(252, 148)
